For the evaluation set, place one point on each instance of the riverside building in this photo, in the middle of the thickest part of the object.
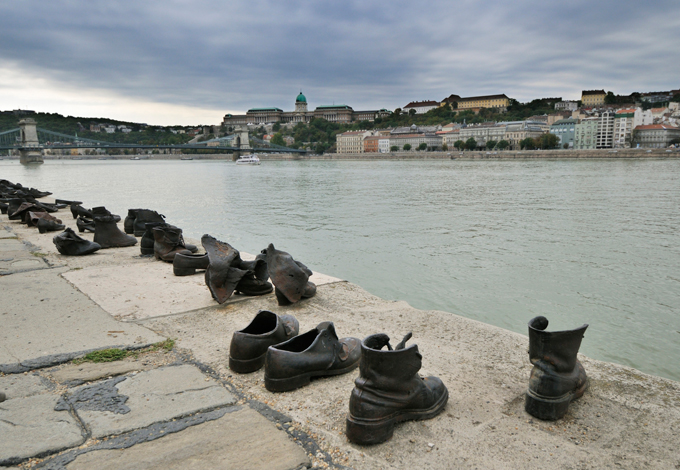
(340, 113)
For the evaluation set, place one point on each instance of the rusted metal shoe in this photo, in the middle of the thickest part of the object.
(108, 235)
(84, 224)
(129, 223)
(48, 225)
(290, 277)
(223, 273)
(389, 391)
(68, 243)
(251, 285)
(168, 242)
(558, 378)
(79, 211)
(143, 217)
(102, 211)
(317, 353)
(248, 346)
(186, 264)
(21, 213)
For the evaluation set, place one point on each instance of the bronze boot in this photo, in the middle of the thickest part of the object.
(223, 273)
(389, 390)
(168, 242)
(558, 377)
(290, 277)
(108, 235)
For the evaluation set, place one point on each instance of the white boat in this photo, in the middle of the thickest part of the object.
(251, 159)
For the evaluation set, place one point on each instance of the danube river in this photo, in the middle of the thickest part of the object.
(579, 241)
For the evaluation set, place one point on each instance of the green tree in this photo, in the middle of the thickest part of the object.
(407, 147)
(394, 148)
(471, 143)
(527, 144)
(459, 144)
(422, 146)
(277, 139)
(491, 144)
(445, 147)
(503, 144)
(411, 112)
(610, 98)
(276, 127)
(548, 141)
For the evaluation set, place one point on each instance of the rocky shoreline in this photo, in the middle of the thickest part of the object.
(186, 406)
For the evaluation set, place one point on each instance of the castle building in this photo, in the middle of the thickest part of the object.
(340, 113)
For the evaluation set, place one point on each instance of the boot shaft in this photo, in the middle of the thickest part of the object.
(388, 368)
(558, 348)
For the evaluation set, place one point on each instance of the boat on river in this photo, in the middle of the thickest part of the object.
(251, 159)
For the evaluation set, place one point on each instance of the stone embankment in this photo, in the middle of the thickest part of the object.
(181, 407)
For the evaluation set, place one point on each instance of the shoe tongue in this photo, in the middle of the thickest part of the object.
(402, 343)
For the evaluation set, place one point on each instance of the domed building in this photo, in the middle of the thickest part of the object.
(340, 113)
(300, 103)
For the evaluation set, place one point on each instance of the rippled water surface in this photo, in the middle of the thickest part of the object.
(577, 241)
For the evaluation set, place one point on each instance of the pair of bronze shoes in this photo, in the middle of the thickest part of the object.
(291, 360)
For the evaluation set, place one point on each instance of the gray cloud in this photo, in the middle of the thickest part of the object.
(236, 55)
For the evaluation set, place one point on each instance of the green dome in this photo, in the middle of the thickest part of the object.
(300, 98)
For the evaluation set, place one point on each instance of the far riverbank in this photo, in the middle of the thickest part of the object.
(613, 154)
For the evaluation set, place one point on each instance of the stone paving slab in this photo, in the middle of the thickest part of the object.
(12, 262)
(30, 427)
(7, 233)
(135, 291)
(240, 440)
(23, 385)
(88, 371)
(46, 321)
(154, 396)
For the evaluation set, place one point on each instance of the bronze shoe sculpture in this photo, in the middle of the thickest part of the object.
(48, 225)
(168, 242)
(143, 217)
(558, 378)
(248, 346)
(108, 235)
(101, 210)
(78, 210)
(68, 243)
(33, 217)
(290, 277)
(317, 353)
(222, 275)
(129, 223)
(84, 224)
(21, 213)
(251, 285)
(389, 391)
(186, 264)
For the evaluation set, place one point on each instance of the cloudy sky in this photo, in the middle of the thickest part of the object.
(190, 62)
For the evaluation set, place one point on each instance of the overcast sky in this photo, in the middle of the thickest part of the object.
(190, 62)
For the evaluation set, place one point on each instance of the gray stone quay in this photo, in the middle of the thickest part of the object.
(183, 408)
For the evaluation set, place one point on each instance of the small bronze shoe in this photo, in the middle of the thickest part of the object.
(248, 346)
(317, 353)
(186, 264)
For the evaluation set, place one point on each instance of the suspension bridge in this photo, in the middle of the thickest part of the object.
(31, 140)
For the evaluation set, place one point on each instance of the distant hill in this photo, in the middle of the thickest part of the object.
(140, 133)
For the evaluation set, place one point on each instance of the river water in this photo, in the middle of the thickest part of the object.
(579, 241)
